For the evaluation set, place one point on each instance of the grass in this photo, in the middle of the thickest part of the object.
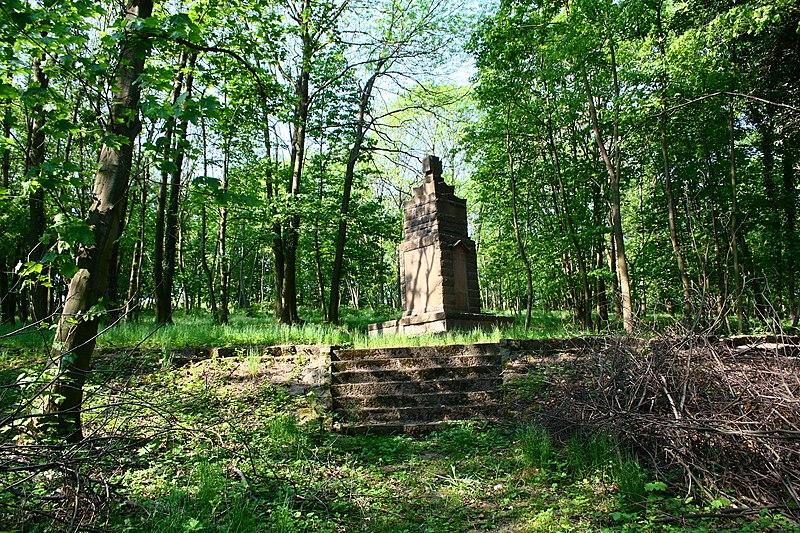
(198, 330)
(221, 454)
(536, 446)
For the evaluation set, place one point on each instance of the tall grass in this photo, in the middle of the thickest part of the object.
(536, 446)
(199, 330)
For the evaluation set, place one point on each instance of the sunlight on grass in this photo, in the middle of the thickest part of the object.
(199, 330)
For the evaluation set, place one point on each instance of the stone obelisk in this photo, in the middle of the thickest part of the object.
(438, 263)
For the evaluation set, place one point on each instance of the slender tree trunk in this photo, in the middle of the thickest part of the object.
(207, 270)
(276, 243)
(616, 216)
(187, 297)
(212, 294)
(352, 159)
(518, 236)
(774, 228)
(164, 298)
(7, 296)
(291, 237)
(612, 268)
(132, 302)
(721, 265)
(112, 287)
(36, 205)
(76, 334)
(790, 210)
(599, 259)
(240, 290)
(222, 244)
(164, 306)
(734, 229)
(672, 216)
(317, 241)
(318, 266)
(279, 264)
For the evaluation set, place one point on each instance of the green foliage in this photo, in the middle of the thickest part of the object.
(207, 502)
(587, 454)
(631, 479)
(642, 63)
(536, 446)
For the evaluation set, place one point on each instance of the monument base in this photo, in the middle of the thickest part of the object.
(438, 322)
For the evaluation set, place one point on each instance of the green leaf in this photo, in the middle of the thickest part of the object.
(719, 503)
(30, 268)
(655, 486)
(8, 92)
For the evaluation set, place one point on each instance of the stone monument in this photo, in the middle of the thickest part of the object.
(438, 263)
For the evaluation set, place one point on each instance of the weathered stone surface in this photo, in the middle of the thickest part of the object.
(438, 263)
(410, 389)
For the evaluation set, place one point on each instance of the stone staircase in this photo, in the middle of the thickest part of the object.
(410, 390)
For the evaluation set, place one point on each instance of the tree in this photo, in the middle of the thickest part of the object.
(77, 326)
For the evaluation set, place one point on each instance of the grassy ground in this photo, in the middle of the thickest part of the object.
(214, 447)
(199, 330)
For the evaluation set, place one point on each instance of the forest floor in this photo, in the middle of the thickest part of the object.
(208, 447)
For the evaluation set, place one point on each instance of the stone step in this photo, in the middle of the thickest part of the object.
(404, 387)
(398, 363)
(416, 351)
(435, 399)
(408, 428)
(395, 428)
(424, 374)
(374, 415)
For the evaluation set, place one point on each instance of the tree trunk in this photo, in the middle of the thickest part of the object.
(599, 259)
(164, 304)
(76, 334)
(7, 296)
(209, 272)
(132, 302)
(36, 206)
(518, 236)
(352, 159)
(734, 230)
(289, 313)
(672, 216)
(212, 294)
(767, 131)
(112, 287)
(187, 296)
(790, 210)
(276, 243)
(616, 216)
(164, 299)
(318, 266)
(222, 244)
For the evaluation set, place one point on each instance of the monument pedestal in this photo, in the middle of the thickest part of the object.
(438, 263)
(439, 322)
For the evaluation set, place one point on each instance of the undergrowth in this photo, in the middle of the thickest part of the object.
(223, 450)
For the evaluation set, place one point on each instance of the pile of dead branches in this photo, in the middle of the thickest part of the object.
(725, 414)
